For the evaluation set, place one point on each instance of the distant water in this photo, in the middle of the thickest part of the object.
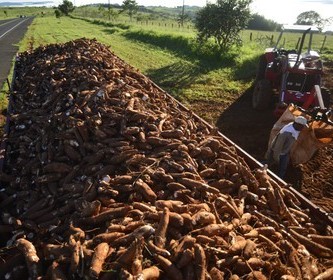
(25, 4)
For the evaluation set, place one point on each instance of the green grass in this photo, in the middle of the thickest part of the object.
(289, 41)
(131, 44)
(14, 12)
(169, 56)
(47, 30)
(147, 58)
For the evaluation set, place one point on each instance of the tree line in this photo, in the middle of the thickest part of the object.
(221, 21)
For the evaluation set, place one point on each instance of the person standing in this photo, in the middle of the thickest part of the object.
(279, 151)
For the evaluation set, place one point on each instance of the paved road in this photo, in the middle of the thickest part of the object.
(11, 33)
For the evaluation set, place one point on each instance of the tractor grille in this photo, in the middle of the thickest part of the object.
(301, 82)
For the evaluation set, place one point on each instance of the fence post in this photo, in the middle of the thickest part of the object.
(251, 36)
(322, 46)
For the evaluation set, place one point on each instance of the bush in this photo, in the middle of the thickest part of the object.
(223, 21)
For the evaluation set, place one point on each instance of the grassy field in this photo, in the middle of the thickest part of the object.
(170, 59)
(169, 56)
(12, 12)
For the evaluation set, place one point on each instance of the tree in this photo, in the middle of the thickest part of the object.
(57, 13)
(66, 7)
(5, 12)
(130, 7)
(100, 8)
(258, 22)
(309, 18)
(312, 18)
(182, 18)
(111, 13)
(223, 21)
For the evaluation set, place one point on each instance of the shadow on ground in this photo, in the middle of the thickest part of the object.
(188, 48)
(175, 76)
(248, 128)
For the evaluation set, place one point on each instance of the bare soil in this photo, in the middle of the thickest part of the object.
(315, 178)
(250, 130)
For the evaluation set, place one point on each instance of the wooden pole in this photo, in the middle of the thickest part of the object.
(109, 9)
(8, 83)
(183, 13)
(322, 46)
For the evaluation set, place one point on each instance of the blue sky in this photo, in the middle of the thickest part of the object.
(281, 11)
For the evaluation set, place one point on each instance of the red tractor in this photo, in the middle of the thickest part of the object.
(294, 76)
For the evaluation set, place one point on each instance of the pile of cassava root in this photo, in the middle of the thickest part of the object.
(108, 177)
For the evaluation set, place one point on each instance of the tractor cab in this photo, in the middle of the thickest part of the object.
(293, 76)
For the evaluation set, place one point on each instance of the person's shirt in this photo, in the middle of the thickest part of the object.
(283, 142)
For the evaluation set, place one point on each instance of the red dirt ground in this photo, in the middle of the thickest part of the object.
(250, 130)
(315, 178)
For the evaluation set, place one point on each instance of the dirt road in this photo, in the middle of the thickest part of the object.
(11, 32)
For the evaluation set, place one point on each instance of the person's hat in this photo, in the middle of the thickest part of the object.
(301, 120)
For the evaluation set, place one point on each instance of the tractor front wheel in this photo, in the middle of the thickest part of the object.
(262, 95)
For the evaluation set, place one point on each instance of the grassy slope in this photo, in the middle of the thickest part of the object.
(167, 55)
(48, 30)
(169, 59)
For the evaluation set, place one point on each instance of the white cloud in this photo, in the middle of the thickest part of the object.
(286, 11)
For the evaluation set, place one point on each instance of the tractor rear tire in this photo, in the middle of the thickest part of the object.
(262, 95)
(261, 68)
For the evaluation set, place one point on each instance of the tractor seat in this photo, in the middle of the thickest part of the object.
(308, 60)
(310, 56)
(292, 57)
